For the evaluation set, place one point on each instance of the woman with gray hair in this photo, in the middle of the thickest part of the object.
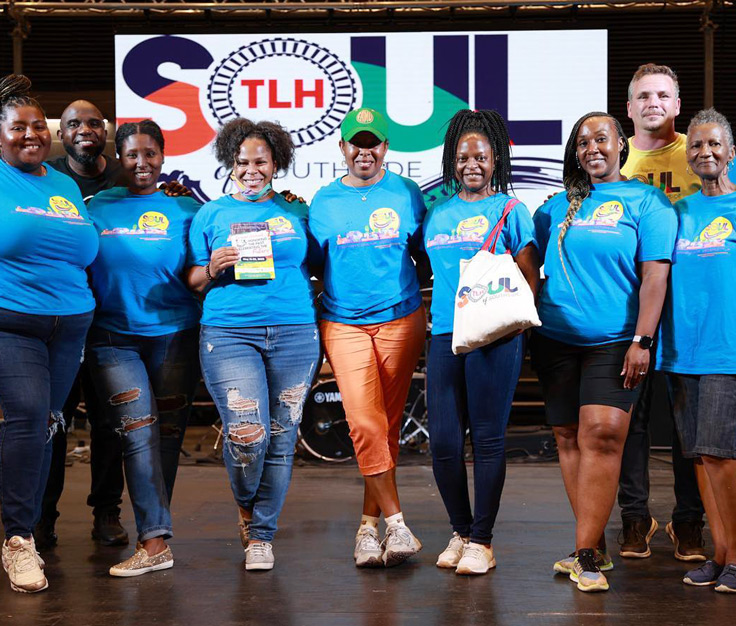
(697, 349)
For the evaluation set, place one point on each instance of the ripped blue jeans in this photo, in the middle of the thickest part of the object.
(39, 359)
(259, 379)
(145, 387)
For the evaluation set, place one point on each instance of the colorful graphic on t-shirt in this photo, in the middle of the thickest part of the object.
(149, 223)
(382, 224)
(713, 236)
(280, 225)
(59, 206)
(471, 229)
(606, 214)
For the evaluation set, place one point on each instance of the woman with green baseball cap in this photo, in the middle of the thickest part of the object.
(368, 226)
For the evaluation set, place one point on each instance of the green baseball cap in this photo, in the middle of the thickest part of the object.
(364, 119)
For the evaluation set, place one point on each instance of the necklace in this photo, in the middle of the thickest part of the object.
(364, 196)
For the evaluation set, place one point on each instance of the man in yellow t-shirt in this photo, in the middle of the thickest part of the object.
(657, 151)
(657, 155)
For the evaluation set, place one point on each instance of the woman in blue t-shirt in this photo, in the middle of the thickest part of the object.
(698, 344)
(476, 168)
(606, 246)
(368, 225)
(142, 347)
(259, 344)
(45, 310)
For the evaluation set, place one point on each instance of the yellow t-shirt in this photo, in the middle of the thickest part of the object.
(665, 168)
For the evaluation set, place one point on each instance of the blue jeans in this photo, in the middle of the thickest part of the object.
(40, 358)
(145, 386)
(472, 390)
(259, 379)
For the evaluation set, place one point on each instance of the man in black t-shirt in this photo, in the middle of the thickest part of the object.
(83, 135)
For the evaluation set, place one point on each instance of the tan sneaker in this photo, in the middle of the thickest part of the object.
(368, 551)
(141, 563)
(586, 573)
(476, 560)
(399, 544)
(23, 565)
(450, 556)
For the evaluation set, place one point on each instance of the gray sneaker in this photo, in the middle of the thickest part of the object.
(23, 565)
(141, 563)
(368, 551)
(399, 544)
(727, 580)
(705, 575)
(259, 555)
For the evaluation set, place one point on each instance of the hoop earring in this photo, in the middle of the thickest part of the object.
(344, 163)
(275, 175)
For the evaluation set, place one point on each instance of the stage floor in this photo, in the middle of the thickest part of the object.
(315, 582)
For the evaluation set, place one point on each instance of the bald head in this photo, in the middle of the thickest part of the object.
(82, 132)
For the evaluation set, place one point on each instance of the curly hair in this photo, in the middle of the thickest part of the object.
(577, 180)
(491, 125)
(15, 92)
(144, 127)
(231, 136)
(711, 116)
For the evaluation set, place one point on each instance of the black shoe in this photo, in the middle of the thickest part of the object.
(636, 537)
(688, 540)
(44, 535)
(108, 531)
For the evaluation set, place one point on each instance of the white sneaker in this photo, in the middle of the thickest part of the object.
(476, 559)
(259, 555)
(399, 544)
(368, 551)
(23, 565)
(450, 557)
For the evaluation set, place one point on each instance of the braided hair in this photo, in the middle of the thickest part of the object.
(491, 125)
(235, 132)
(15, 92)
(145, 127)
(577, 181)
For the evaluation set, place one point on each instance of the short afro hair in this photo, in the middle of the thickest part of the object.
(235, 132)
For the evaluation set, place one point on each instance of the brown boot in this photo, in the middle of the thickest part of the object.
(688, 540)
(636, 537)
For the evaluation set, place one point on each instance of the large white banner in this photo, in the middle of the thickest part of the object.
(540, 81)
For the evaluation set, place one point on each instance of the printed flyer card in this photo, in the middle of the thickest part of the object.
(253, 241)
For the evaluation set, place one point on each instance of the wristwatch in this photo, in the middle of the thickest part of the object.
(645, 341)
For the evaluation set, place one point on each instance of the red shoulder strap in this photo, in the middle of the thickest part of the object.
(496, 232)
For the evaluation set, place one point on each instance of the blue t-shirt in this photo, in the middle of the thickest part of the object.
(618, 226)
(455, 230)
(47, 242)
(288, 298)
(138, 276)
(699, 316)
(369, 276)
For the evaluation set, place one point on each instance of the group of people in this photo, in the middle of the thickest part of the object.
(146, 286)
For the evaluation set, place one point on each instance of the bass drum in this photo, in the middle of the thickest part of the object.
(324, 431)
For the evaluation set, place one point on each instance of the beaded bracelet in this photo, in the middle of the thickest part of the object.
(207, 273)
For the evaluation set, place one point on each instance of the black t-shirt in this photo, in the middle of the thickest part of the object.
(89, 186)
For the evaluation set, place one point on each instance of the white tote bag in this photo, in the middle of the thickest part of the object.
(493, 298)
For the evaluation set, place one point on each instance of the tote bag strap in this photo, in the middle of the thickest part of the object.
(496, 232)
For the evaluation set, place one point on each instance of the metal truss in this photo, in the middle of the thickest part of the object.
(28, 8)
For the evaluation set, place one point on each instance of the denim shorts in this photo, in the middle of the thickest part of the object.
(705, 414)
(573, 376)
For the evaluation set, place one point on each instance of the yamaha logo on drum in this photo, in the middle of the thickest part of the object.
(327, 396)
(296, 79)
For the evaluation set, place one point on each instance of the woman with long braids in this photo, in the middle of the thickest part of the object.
(45, 310)
(142, 347)
(606, 245)
(368, 225)
(259, 344)
(476, 168)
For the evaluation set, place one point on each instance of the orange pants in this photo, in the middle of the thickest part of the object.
(373, 365)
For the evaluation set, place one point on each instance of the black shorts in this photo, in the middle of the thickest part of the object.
(573, 376)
